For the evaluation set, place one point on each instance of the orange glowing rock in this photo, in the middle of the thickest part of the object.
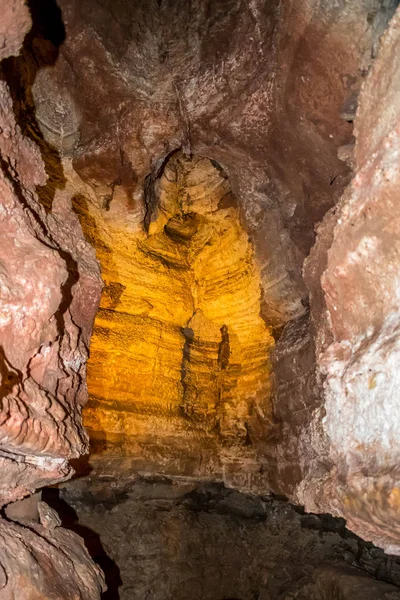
(180, 353)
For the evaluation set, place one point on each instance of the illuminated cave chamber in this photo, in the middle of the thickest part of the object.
(209, 172)
(180, 353)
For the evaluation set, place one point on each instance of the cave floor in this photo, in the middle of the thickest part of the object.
(158, 539)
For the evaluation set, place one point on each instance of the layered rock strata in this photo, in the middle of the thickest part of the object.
(180, 353)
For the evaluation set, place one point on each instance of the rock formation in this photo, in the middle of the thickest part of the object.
(50, 288)
(345, 453)
(274, 106)
(180, 354)
(230, 170)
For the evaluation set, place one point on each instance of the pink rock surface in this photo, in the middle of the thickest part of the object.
(50, 287)
(356, 321)
(15, 22)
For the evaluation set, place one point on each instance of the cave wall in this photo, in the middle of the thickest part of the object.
(50, 288)
(179, 373)
(346, 453)
(50, 292)
(269, 90)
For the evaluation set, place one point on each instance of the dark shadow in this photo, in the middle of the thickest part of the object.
(40, 49)
(8, 374)
(188, 334)
(92, 540)
(81, 466)
(149, 194)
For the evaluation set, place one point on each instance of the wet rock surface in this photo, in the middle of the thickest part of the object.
(162, 539)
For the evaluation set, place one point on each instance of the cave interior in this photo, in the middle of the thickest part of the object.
(199, 300)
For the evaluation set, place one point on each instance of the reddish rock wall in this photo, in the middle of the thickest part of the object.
(269, 90)
(50, 288)
(347, 446)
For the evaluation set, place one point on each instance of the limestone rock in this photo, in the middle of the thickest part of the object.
(37, 563)
(44, 329)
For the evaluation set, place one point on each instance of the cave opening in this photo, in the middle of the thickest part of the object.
(199, 309)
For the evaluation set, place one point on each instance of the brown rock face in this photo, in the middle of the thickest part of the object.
(199, 144)
(50, 289)
(269, 90)
(352, 277)
(264, 88)
(43, 346)
(49, 295)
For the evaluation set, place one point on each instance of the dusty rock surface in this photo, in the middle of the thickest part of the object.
(49, 294)
(161, 540)
(347, 445)
(268, 91)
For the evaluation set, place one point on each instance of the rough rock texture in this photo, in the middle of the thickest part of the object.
(46, 561)
(268, 90)
(50, 288)
(14, 24)
(348, 441)
(166, 540)
(180, 353)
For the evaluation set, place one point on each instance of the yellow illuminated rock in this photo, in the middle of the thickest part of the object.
(180, 355)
